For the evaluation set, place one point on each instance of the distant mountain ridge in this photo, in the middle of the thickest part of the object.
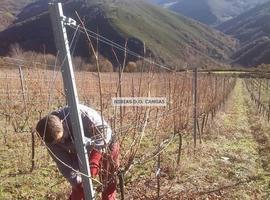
(211, 12)
(9, 9)
(169, 38)
(252, 29)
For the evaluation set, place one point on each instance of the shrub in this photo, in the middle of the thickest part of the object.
(131, 67)
(104, 64)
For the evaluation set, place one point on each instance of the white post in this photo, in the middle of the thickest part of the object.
(62, 45)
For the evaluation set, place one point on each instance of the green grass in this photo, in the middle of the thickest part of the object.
(228, 159)
(17, 182)
(229, 156)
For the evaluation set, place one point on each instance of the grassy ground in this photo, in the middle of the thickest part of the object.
(17, 182)
(233, 162)
(237, 144)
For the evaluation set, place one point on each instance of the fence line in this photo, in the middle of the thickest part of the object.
(212, 92)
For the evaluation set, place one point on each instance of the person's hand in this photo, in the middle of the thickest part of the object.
(76, 178)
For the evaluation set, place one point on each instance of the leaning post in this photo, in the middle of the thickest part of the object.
(59, 21)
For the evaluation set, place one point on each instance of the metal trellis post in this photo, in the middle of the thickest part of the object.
(59, 21)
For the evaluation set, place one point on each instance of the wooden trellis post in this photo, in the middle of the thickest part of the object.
(194, 98)
(22, 86)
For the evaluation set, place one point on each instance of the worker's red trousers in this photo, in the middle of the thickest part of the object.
(106, 165)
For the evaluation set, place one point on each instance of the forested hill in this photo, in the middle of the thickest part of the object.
(211, 12)
(169, 38)
(9, 10)
(252, 29)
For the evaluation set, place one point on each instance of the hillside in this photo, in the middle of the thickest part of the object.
(169, 38)
(252, 29)
(198, 10)
(9, 9)
(210, 12)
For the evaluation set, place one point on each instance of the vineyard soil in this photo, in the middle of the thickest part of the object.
(233, 162)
